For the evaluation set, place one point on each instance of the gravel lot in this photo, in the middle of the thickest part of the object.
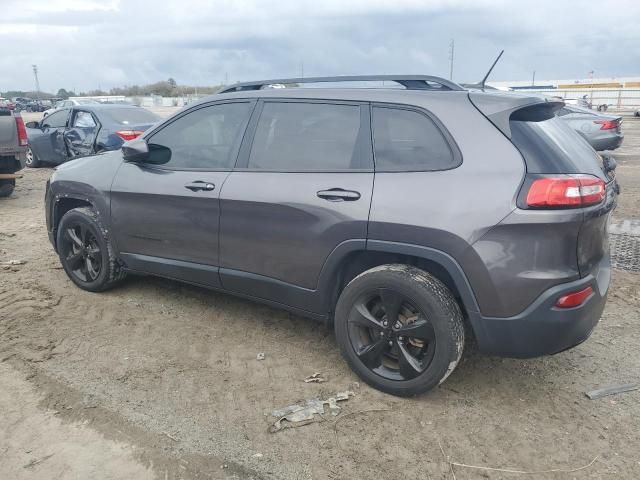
(160, 380)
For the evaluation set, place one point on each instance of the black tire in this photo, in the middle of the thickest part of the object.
(423, 361)
(6, 187)
(32, 160)
(85, 251)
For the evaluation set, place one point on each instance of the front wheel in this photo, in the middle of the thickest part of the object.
(32, 161)
(85, 251)
(400, 329)
(6, 187)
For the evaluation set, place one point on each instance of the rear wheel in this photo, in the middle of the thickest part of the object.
(85, 251)
(400, 329)
(6, 187)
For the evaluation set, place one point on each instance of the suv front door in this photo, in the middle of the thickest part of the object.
(301, 188)
(165, 217)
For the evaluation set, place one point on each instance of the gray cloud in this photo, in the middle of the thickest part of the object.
(83, 44)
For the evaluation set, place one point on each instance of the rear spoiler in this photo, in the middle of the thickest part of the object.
(500, 108)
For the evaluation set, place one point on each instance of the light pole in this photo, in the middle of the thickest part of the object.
(451, 51)
(35, 74)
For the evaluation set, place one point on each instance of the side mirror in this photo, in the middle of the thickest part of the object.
(139, 151)
(32, 125)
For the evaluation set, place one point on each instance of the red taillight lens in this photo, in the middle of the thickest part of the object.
(607, 124)
(574, 299)
(575, 191)
(127, 135)
(22, 132)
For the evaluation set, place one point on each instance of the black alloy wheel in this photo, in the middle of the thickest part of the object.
(81, 253)
(390, 335)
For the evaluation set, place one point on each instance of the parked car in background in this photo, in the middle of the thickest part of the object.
(30, 105)
(602, 131)
(71, 103)
(73, 132)
(6, 103)
(13, 144)
(269, 194)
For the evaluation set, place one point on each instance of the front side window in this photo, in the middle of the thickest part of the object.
(56, 119)
(295, 136)
(406, 140)
(206, 138)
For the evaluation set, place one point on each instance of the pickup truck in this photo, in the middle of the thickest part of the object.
(13, 146)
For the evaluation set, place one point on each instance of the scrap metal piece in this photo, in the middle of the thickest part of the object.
(298, 415)
(611, 390)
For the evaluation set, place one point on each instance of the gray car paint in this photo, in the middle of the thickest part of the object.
(279, 242)
(582, 121)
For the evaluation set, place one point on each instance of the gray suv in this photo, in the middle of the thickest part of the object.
(411, 218)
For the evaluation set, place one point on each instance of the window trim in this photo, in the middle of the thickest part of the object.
(363, 142)
(148, 135)
(448, 138)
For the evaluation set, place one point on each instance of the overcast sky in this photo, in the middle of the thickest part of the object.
(86, 44)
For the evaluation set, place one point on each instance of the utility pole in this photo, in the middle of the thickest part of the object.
(35, 74)
(533, 79)
(451, 51)
(301, 69)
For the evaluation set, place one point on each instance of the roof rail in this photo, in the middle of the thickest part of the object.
(410, 82)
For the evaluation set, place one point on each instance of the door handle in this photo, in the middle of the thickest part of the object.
(200, 185)
(339, 195)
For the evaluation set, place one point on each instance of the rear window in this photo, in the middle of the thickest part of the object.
(131, 116)
(551, 146)
(405, 140)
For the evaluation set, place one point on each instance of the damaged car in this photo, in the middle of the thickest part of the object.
(69, 133)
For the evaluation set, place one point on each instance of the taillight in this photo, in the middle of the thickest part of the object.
(23, 141)
(565, 191)
(607, 124)
(574, 299)
(127, 135)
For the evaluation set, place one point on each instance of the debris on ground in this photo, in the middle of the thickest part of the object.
(260, 356)
(14, 262)
(315, 378)
(299, 415)
(611, 390)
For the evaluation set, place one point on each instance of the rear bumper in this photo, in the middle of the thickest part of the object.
(610, 142)
(543, 329)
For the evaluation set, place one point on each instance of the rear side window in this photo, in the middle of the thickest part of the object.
(294, 136)
(83, 120)
(551, 146)
(405, 140)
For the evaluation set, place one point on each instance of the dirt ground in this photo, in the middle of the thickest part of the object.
(160, 380)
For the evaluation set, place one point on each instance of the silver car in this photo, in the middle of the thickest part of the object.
(602, 131)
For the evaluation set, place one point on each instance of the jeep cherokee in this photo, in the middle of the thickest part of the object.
(409, 217)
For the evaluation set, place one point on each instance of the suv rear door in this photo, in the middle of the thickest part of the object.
(302, 186)
(165, 217)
